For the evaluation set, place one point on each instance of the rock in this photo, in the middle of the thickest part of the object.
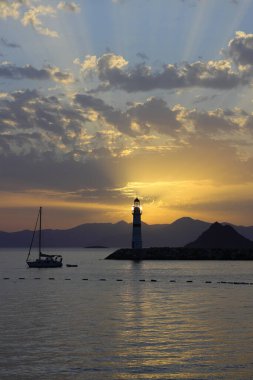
(181, 253)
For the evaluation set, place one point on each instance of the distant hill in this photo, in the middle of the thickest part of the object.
(176, 234)
(221, 236)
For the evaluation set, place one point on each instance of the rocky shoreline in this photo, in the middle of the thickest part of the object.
(180, 253)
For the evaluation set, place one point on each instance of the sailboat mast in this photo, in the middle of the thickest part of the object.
(33, 236)
(40, 232)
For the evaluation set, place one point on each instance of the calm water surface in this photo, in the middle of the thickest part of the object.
(82, 323)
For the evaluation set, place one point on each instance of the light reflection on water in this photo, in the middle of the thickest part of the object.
(58, 329)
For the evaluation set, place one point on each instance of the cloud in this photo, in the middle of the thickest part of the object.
(59, 76)
(203, 98)
(240, 49)
(30, 172)
(30, 12)
(82, 149)
(11, 71)
(10, 9)
(113, 72)
(31, 17)
(9, 44)
(142, 56)
(156, 114)
(60, 126)
(114, 117)
(66, 6)
(108, 61)
(139, 119)
(211, 122)
(155, 117)
(88, 124)
(43, 142)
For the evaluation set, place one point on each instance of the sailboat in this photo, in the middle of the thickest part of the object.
(43, 260)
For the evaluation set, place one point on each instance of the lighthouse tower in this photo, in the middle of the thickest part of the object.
(136, 211)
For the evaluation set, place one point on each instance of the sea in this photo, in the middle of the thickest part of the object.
(123, 320)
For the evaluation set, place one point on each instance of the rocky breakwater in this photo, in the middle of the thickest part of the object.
(218, 242)
(181, 253)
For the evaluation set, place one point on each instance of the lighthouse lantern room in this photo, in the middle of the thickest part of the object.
(136, 237)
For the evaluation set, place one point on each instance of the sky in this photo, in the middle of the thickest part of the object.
(105, 100)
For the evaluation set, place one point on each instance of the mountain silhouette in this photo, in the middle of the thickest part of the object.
(176, 234)
(221, 236)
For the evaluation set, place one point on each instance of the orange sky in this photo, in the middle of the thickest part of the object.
(106, 101)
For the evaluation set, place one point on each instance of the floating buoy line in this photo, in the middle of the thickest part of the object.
(126, 280)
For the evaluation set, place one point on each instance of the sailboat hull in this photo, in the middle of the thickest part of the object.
(44, 264)
(44, 260)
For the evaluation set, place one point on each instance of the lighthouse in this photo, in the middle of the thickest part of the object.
(136, 211)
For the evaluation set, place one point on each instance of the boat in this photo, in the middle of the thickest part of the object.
(43, 260)
(71, 265)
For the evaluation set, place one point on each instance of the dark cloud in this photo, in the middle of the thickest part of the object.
(156, 113)
(9, 44)
(45, 151)
(204, 98)
(43, 147)
(44, 143)
(29, 110)
(58, 125)
(240, 49)
(248, 125)
(142, 56)
(212, 122)
(60, 76)
(113, 73)
(46, 172)
(11, 71)
(203, 159)
(115, 117)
